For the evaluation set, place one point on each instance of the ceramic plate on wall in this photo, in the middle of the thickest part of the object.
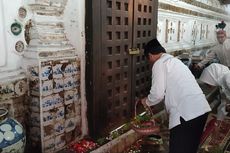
(19, 46)
(22, 12)
(20, 87)
(16, 28)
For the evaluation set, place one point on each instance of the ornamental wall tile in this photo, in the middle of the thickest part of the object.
(46, 71)
(47, 103)
(48, 131)
(70, 124)
(60, 141)
(58, 85)
(16, 107)
(58, 100)
(60, 113)
(69, 97)
(57, 71)
(76, 81)
(33, 72)
(49, 145)
(8, 104)
(47, 87)
(59, 127)
(34, 104)
(76, 67)
(68, 70)
(48, 117)
(7, 91)
(69, 136)
(70, 111)
(68, 83)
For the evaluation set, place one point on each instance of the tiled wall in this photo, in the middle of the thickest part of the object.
(13, 97)
(54, 103)
(53, 67)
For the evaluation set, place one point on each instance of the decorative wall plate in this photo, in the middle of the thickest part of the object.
(16, 28)
(22, 12)
(20, 87)
(19, 46)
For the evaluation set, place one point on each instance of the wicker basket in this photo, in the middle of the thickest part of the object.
(147, 127)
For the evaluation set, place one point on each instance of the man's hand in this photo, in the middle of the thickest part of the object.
(143, 101)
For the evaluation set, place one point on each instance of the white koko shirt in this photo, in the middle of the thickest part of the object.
(218, 75)
(172, 80)
(221, 51)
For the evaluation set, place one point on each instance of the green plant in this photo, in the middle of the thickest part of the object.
(216, 149)
(142, 118)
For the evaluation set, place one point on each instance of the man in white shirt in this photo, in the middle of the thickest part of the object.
(221, 51)
(218, 75)
(184, 100)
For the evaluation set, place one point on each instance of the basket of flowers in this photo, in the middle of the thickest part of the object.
(144, 124)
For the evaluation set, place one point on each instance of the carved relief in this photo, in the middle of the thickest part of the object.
(171, 32)
(166, 31)
(203, 31)
(160, 30)
(194, 32)
(181, 31)
(207, 32)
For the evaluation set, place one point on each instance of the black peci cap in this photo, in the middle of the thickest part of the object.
(153, 47)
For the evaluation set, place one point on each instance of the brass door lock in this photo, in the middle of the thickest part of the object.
(134, 51)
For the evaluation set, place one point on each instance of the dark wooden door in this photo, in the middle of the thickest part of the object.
(117, 71)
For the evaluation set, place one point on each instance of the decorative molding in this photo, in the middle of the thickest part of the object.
(180, 51)
(181, 10)
(205, 6)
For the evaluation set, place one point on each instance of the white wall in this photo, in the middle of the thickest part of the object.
(10, 60)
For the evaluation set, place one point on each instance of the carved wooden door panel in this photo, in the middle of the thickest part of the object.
(116, 69)
(144, 25)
